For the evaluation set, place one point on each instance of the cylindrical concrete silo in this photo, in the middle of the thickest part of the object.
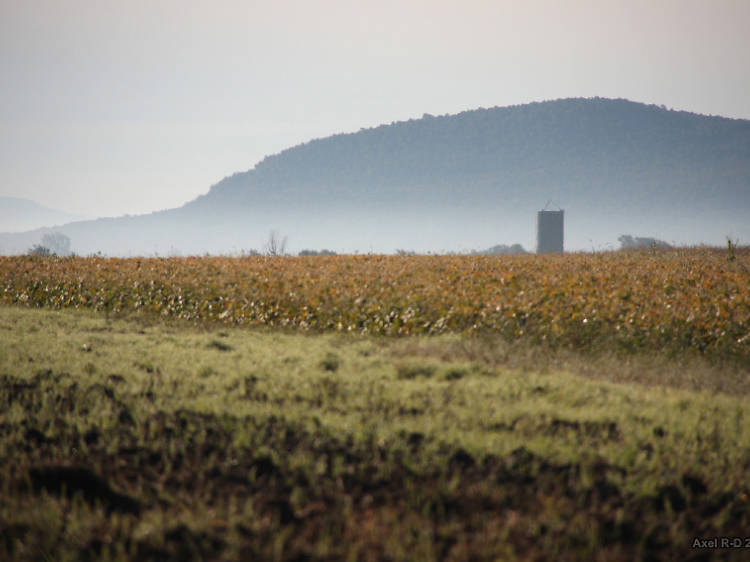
(549, 231)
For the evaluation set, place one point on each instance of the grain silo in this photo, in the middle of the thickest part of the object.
(549, 231)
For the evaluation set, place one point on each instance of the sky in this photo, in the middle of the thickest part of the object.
(111, 107)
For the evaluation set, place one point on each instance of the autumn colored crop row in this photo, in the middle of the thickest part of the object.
(672, 300)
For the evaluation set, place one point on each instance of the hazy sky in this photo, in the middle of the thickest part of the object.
(112, 107)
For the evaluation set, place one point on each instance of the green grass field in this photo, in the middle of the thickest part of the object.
(141, 438)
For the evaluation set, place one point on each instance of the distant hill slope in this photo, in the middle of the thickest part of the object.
(17, 214)
(472, 180)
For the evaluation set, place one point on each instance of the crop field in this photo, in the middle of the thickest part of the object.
(669, 301)
(582, 407)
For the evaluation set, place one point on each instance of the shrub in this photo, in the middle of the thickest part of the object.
(406, 371)
(330, 362)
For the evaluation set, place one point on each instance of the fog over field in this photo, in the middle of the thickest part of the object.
(457, 183)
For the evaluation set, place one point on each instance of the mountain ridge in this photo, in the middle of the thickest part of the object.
(19, 214)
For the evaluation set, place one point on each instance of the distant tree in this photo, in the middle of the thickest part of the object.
(39, 250)
(317, 253)
(628, 242)
(503, 249)
(275, 245)
(57, 243)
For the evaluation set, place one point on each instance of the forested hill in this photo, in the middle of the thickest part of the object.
(472, 180)
(573, 151)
